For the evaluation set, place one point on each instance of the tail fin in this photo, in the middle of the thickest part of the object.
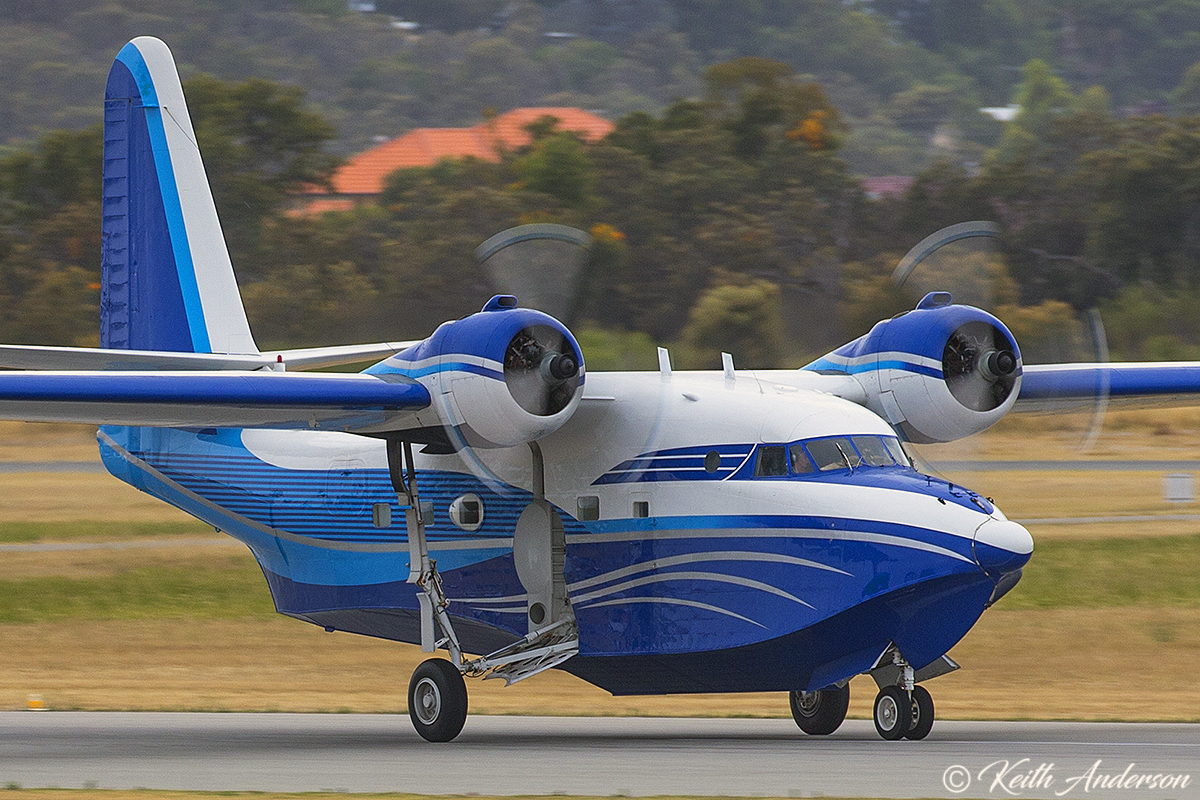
(167, 282)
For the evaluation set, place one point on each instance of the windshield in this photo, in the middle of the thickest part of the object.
(829, 453)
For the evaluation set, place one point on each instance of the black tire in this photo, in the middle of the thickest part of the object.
(822, 712)
(893, 712)
(437, 700)
(922, 714)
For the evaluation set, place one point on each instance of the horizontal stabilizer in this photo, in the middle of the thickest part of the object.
(17, 356)
(334, 401)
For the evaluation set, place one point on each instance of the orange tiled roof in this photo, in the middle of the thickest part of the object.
(509, 127)
(423, 147)
(322, 204)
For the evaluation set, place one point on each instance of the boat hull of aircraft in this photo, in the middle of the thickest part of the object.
(719, 581)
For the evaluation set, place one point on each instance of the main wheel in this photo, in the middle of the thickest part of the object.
(822, 712)
(922, 714)
(437, 700)
(893, 712)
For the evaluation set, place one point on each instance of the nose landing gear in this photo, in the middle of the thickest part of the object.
(903, 709)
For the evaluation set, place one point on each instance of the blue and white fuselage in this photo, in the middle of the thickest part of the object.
(711, 544)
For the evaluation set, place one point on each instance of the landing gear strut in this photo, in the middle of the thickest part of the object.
(437, 694)
(822, 712)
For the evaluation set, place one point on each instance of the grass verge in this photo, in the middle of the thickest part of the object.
(96, 530)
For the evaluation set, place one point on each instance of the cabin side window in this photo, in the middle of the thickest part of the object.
(588, 507)
(772, 461)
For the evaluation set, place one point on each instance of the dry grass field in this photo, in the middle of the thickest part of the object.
(1104, 628)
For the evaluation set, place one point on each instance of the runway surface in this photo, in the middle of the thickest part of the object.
(602, 756)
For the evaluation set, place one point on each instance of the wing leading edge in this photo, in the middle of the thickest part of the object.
(327, 401)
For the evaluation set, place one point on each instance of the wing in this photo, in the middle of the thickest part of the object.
(265, 399)
(1056, 387)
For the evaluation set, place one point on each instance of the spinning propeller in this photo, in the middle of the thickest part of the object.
(539, 364)
(977, 364)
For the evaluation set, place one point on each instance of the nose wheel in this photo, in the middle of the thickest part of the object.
(893, 713)
(437, 700)
(922, 714)
(903, 715)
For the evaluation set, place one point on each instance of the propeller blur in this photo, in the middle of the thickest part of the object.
(479, 491)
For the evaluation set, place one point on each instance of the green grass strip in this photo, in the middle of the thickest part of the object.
(33, 532)
(1110, 573)
(145, 593)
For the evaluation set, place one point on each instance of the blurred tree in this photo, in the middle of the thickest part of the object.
(740, 319)
(259, 145)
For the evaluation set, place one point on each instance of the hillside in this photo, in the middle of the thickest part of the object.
(907, 75)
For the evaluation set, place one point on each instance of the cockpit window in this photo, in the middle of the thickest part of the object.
(828, 454)
(801, 463)
(772, 462)
(873, 452)
(834, 453)
(897, 450)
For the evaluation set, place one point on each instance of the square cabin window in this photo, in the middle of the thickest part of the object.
(641, 509)
(588, 507)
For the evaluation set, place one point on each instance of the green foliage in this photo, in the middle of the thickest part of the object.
(744, 320)
(259, 144)
(616, 350)
(559, 167)
(738, 175)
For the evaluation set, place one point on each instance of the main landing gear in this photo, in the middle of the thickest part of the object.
(822, 712)
(437, 693)
(437, 700)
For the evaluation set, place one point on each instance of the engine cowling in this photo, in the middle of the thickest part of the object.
(498, 378)
(938, 373)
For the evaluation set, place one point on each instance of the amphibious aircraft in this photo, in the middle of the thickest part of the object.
(480, 492)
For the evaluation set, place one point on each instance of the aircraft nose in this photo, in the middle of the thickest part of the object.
(1001, 546)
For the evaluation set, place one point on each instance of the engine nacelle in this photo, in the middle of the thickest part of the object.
(938, 373)
(498, 378)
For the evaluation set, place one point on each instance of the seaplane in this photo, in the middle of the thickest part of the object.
(481, 493)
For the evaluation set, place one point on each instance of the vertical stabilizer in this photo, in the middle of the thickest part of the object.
(167, 282)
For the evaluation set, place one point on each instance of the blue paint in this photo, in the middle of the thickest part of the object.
(922, 332)
(185, 270)
(483, 335)
(1045, 382)
(142, 300)
(774, 585)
